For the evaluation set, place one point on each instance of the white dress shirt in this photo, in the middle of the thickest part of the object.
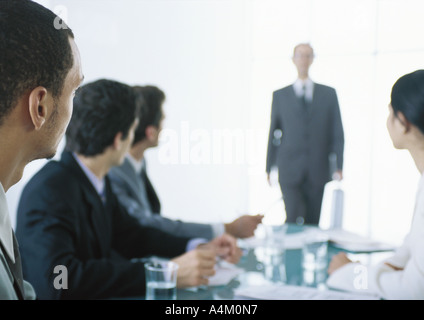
(383, 280)
(6, 237)
(299, 90)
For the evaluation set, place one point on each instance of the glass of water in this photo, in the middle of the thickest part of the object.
(314, 252)
(274, 252)
(161, 280)
(274, 238)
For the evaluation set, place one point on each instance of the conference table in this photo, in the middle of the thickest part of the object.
(258, 270)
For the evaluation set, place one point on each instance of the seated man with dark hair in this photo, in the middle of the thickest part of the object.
(68, 215)
(134, 190)
(40, 69)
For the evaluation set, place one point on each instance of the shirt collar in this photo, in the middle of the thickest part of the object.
(309, 87)
(6, 235)
(98, 184)
(136, 164)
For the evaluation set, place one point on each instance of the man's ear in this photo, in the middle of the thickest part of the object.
(39, 106)
(405, 123)
(117, 140)
(151, 132)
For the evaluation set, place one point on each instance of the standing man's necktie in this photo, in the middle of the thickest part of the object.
(303, 98)
(16, 269)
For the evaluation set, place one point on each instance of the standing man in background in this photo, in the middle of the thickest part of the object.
(306, 131)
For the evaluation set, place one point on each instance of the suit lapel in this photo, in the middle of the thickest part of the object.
(99, 219)
(132, 178)
(129, 175)
(315, 100)
(98, 214)
(314, 104)
(295, 102)
(15, 269)
(151, 193)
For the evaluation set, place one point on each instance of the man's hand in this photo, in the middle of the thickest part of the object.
(393, 267)
(338, 175)
(338, 261)
(195, 266)
(225, 247)
(268, 178)
(243, 227)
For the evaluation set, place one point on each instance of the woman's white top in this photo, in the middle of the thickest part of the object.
(383, 280)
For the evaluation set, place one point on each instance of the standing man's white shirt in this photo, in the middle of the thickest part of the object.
(7, 291)
(383, 280)
(302, 87)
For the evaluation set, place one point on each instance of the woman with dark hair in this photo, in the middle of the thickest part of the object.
(401, 276)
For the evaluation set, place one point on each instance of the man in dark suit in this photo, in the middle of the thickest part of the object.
(305, 132)
(69, 220)
(135, 191)
(40, 70)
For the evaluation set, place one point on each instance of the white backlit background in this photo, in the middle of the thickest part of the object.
(219, 62)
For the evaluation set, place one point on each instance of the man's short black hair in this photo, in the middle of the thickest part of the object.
(153, 98)
(32, 51)
(102, 109)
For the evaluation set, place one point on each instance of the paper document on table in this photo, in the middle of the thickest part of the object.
(338, 237)
(295, 240)
(289, 292)
(225, 272)
(356, 243)
(291, 240)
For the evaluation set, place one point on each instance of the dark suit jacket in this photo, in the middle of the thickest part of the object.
(129, 186)
(126, 180)
(151, 192)
(308, 138)
(62, 221)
